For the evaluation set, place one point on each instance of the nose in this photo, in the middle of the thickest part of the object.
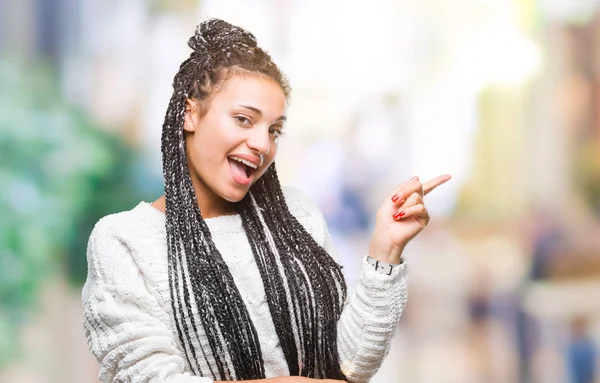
(259, 140)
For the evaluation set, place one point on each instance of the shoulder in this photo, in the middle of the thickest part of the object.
(300, 204)
(306, 211)
(118, 227)
(117, 238)
(139, 219)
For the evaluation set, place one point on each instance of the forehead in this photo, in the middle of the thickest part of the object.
(251, 90)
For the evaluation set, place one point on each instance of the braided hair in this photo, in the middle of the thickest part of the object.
(304, 286)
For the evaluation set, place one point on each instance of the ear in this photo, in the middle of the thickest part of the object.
(191, 116)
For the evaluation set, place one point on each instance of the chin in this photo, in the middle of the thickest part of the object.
(234, 196)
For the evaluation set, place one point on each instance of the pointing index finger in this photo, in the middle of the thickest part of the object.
(435, 182)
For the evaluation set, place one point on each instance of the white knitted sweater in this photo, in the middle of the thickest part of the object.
(127, 307)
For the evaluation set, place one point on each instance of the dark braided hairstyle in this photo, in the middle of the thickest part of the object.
(304, 286)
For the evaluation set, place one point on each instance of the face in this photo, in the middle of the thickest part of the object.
(232, 144)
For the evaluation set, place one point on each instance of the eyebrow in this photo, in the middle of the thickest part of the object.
(260, 113)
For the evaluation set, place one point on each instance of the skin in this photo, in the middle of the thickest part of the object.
(245, 116)
(392, 233)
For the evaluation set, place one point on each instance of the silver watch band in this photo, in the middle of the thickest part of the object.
(380, 266)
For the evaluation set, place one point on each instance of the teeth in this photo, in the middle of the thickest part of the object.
(253, 166)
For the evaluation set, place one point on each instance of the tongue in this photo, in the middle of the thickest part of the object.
(239, 169)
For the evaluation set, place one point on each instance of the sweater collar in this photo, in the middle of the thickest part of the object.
(217, 224)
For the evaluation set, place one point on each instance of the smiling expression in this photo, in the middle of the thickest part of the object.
(232, 144)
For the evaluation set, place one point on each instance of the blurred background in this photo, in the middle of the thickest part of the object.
(502, 94)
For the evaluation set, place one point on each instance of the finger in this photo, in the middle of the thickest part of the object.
(435, 182)
(417, 211)
(406, 189)
(412, 200)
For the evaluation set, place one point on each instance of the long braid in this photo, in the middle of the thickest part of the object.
(198, 277)
(304, 287)
(321, 280)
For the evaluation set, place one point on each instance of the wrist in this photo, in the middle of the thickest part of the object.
(392, 255)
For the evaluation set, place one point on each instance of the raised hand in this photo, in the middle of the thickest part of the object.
(401, 217)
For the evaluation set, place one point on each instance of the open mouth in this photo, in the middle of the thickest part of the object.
(242, 169)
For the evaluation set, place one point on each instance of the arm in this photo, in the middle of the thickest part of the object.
(126, 328)
(369, 319)
(368, 322)
(371, 314)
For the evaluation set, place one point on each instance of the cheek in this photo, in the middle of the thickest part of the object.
(269, 158)
(207, 147)
(268, 161)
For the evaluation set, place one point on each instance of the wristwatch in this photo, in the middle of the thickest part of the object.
(382, 267)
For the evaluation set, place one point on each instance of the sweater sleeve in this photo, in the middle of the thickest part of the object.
(126, 329)
(369, 320)
(371, 314)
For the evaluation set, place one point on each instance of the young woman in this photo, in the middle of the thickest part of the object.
(227, 276)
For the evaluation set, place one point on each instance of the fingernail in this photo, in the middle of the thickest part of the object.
(414, 178)
(395, 198)
(399, 214)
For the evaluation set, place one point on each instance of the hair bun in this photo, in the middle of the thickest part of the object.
(214, 35)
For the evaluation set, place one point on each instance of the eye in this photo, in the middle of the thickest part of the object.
(275, 131)
(242, 120)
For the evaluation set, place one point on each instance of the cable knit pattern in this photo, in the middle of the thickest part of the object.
(127, 305)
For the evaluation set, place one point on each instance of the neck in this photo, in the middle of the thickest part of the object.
(211, 205)
(214, 207)
(208, 211)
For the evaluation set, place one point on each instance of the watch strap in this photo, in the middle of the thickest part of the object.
(381, 267)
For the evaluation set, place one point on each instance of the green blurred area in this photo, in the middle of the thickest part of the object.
(59, 173)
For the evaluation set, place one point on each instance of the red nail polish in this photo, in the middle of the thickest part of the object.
(398, 215)
(395, 198)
